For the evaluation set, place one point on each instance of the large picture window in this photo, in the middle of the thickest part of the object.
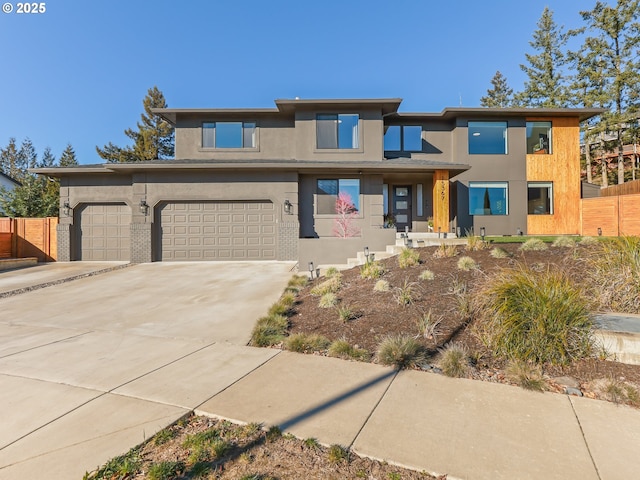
(488, 138)
(338, 131)
(330, 189)
(539, 137)
(403, 138)
(229, 135)
(488, 198)
(540, 198)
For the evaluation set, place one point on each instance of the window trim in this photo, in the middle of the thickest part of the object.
(402, 137)
(542, 184)
(470, 134)
(316, 212)
(256, 136)
(358, 149)
(490, 184)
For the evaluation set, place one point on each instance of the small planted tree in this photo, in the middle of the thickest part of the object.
(344, 225)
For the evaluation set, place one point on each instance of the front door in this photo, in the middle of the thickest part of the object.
(402, 206)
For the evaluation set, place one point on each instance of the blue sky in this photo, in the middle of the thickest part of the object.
(78, 72)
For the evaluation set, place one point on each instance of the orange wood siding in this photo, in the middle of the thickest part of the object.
(562, 167)
(29, 237)
(600, 213)
(441, 200)
(629, 207)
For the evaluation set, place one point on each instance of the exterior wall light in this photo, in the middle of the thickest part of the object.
(599, 231)
(518, 232)
(66, 209)
(366, 254)
(288, 207)
(482, 233)
(144, 207)
(311, 270)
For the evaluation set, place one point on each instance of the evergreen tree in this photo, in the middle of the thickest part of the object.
(48, 159)
(11, 162)
(613, 45)
(68, 157)
(27, 154)
(545, 86)
(153, 139)
(500, 95)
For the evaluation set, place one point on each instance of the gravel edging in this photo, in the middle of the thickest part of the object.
(19, 291)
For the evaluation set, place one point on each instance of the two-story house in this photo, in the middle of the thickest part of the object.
(263, 184)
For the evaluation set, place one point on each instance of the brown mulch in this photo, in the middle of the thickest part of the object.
(378, 314)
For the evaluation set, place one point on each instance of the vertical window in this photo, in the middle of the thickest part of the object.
(337, 131)
(229, 135)
(385, 198)
(419, 200)
(403, 138)
(540, 198)
(488, 198)
(330, 189)
(488, 138)
(539, 137)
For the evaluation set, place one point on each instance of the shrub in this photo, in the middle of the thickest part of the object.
(537, 317)
(615, 275)
(278, 308)
(475, 243)
(372, 270)
(404, 294)
(533, 245)
(342, 349)
(498, 252)
(401, 351)
(564, 242)
(408, 258)
(381, 286)
(445, 251)
(466, 264)
(428, 326)
(427, 275)
(164, 470)
(527, 375)
(345, 313)
(454, 360)
(328, 300)
(303, 343)
(331, 285)
(269, 330)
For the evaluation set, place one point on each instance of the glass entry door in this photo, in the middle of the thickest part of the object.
(402, 206)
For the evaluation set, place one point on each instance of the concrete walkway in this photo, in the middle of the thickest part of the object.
(81, 387)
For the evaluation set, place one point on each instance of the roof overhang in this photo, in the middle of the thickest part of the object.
(456, 112)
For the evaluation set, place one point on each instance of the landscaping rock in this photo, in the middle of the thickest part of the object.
(573, 391)
(566, 382)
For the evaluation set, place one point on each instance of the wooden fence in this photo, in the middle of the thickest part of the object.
(29, 237)
(626, 188)
(615, 215)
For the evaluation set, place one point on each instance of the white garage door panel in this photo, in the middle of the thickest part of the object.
(218, 231)
(105, 232)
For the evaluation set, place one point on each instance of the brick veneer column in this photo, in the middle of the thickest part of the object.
(141, 243)
(288, 234)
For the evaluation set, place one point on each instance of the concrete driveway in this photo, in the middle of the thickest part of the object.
(91, 367)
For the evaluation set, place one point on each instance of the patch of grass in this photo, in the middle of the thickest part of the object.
(534, 317)
(123, 466)
(533, 245)
(466, 264)
(303, 343)
(328, 300)
(527, 375)
(633, 395)
(588, 241)
(445, 251)
(371, 270)
(454, 360)
(462, 297)
(427, 275)
(564, 242)
(381, 286)
(332, 272)
(338, 454)
(249, 430)
(164, 470)
(408, 257)
(296, 283)
(615, 274)
(498, 252)
(273, 433)
(332, 285)
(345, 313)
(614, 391)
(475, 243)
(404, 294)
(343, 349)
(311, 443)
(269, 330)
(278, 308)
(400, 351)
(428, 326)
(163, 436)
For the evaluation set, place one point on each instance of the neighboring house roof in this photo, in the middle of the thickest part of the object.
(7, 180)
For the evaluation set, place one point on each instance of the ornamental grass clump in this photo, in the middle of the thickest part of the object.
(533, 245)
(527, 375)
(536, 317)
(427, 275)
(408, 258)
(445, 251)
(498, 252)
(269, 330)
(400, 351)
(466, 264)
(306, 343)
(328, 300)
(332, 285)
(475, 243)
(344, 350)
(454, 360)
(371, 270)
(564, 242)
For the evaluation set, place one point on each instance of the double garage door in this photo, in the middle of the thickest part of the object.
(196, 231)
(242, 230)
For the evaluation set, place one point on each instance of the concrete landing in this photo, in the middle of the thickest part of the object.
(619, 335)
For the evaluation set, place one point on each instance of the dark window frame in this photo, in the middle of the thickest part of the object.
(473, 132)
(328, 207)
(249, 129)
(324, 134)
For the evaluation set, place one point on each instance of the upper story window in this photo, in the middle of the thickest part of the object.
(403, 138)
(488, 138)
(338, 131)
(539, 137)
(229, 135)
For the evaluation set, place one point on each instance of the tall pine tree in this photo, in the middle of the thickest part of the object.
(612, 41)
(68, 157)
(11, 162)
(500, 95)
(545, 85)
(154, 138)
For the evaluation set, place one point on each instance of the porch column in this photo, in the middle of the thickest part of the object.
(441, 200)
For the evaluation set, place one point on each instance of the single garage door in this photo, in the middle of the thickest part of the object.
(104, 232)
(242, 230)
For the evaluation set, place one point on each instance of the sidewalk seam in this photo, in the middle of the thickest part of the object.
(584, 438)
(46, 344)
(375, 407)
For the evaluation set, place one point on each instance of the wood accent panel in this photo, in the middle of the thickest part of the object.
(562, 167)
(29, 237)
(441, 200)
(627, 188)
(6, 240)
(600, 213)
(629, 207)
